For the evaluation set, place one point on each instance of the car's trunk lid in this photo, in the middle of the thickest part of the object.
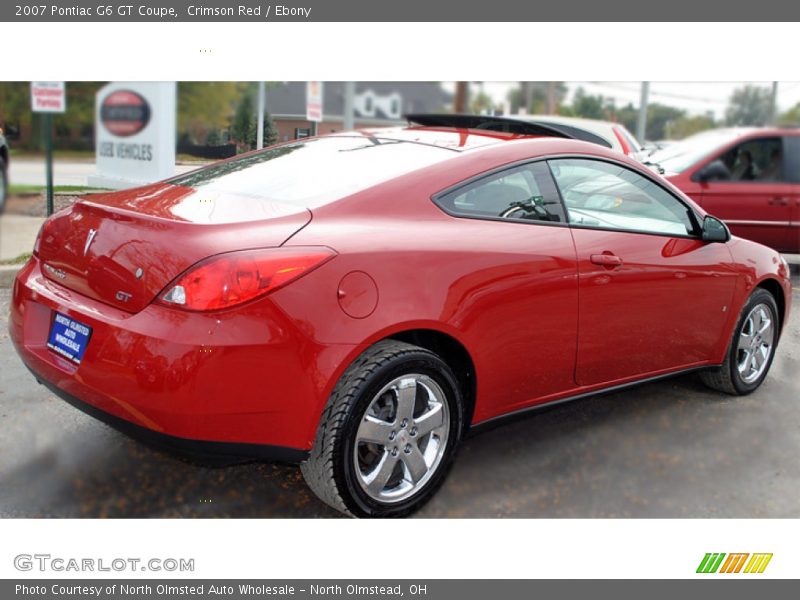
(123, 248)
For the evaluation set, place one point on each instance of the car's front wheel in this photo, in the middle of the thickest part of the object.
(388, 434)
(751, 349)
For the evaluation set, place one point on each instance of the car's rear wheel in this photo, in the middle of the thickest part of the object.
(751, 349)
(388, 434)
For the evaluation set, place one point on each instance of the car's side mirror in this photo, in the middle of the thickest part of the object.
(715, 230)
(713, 171)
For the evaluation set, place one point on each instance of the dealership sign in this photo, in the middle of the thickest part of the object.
(124, 113)
(48, 96)
(314, 101)
(135, 134)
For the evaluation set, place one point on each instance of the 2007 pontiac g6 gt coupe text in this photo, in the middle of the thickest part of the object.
(356, 302)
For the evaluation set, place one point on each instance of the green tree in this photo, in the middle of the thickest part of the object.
(592, 106)
(243, 130)
(245, 124)
(532, 95)
(685, 126)
(73, 127)
(480, 103)
(790, 117)
(15, 111)
(206, 105)
(749, 105)
(214, 137)
(270, 131)
(659, 119)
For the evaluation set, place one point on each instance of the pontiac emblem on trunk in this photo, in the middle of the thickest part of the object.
(89, 240)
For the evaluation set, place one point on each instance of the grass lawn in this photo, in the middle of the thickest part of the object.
(18, 260)
(68, 154)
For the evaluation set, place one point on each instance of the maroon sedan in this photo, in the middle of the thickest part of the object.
(357, 303)
(749, 178)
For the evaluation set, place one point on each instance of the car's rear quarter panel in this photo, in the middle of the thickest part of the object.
(494, 286)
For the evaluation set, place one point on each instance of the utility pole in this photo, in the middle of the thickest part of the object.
(261, 102)
(460, 100)
(527, 94)
(773, 104)
(551, 97)
(641, 122)
(349, 105)
(48, 148)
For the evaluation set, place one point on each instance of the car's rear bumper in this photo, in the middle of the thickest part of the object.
(217, 452)
(245, 383)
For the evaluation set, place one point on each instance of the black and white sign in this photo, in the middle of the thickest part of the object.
(135, 134)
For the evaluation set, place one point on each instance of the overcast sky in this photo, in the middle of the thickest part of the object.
(696, 98)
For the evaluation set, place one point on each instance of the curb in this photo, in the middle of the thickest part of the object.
(7, 275)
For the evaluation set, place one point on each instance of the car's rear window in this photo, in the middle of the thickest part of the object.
(315, 172)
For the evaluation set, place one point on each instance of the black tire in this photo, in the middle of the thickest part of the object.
(330, 469)
(727, 378)
(3, 185)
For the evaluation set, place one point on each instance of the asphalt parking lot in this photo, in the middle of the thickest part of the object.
(668, 449)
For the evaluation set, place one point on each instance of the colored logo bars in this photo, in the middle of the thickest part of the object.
(718, 563)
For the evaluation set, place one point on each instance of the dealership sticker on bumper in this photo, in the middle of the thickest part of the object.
(69, 337)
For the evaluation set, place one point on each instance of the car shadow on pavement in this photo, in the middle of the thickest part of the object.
(667, 449)
(641, 452)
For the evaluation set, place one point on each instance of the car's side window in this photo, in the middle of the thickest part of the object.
(610, 196)
(523, 193)
(758, 159)
(791, 147)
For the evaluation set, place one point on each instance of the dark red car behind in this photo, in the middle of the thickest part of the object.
(749, 178)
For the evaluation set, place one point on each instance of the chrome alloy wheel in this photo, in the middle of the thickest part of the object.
(756, 342)
(402, 438)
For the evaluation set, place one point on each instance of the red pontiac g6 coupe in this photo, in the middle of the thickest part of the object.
(356, 303)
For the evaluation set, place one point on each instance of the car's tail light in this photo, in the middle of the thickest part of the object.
(42, 231)
(232, 278)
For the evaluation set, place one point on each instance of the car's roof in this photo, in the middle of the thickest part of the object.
(449, 138)
(456, 139)
(489, 147)
(348, 163)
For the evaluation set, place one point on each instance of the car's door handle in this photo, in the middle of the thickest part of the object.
(779, 201)
(607, 260)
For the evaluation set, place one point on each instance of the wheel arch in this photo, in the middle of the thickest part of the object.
(425, 335)
(773, 286)
(455, 354)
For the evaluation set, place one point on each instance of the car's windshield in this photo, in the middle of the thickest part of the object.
(315, 171)
(678, 157)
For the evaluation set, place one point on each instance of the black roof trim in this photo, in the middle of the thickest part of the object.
(506, 124)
